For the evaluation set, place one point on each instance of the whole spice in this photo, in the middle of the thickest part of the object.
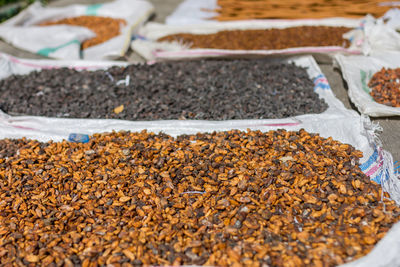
(269, 39)
(227, 199)
(305, 9)
(9, 147)
(215, 89)
(105, 28)
(385, 87)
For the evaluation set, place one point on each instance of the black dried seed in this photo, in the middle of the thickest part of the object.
(206, 89)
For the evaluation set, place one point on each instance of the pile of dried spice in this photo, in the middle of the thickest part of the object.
(269, 39)
(105, 28)
(8, 148)
(385, 87)
(305, 9)
(207, 89)
(229, 198)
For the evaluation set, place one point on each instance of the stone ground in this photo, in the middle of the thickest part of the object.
(391, 126)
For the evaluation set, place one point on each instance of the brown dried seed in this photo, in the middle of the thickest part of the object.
(105, 28)
(290, 9)
(129, 254)
(32, 258)
(385, 87)
(176, 201)
(268, 39)
(124, 199)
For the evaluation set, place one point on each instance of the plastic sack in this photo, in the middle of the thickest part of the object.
(44, 128)
(384, 254)
(147, 45)
(357, 71)
(10, 65)
(57, 41)
(339, 123)
(193, 12)
(62, 41)
(392, 18)
(372, 35)
(379, 36)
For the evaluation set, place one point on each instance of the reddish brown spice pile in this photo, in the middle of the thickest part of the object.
(294, 9)
(105, 28)
(385, 85)
(227, 199)
(269, 39)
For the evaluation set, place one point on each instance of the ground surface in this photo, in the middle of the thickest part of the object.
(391, 126)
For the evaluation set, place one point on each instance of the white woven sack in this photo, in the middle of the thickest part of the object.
(358, 70)
(10, 65)
(147, 45)
(372, 35)
(64, 42)
(337, 122)
(193, 12)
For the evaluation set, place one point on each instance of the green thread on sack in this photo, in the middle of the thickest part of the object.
(92, 9)
(48, 50)
(364, 83)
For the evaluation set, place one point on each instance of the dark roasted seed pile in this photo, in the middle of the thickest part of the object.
(222, 199)
(215, 89)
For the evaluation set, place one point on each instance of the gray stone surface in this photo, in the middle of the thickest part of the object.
(391, 126)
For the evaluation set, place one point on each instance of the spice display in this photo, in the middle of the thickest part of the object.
(291, 9)
(214, 89)
(105, 28)
(9, 147)
(227, 198)
(385, 87)
(268, 39)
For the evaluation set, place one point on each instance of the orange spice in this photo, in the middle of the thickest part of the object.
(105, 28)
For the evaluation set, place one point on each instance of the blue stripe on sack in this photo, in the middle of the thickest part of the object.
(78, 138)
(369, 162)
(396, 167)
(137, 36)
(323, 84)
(377, 179)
